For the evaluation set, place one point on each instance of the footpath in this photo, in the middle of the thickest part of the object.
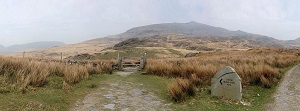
(121, 94)
(287, 97)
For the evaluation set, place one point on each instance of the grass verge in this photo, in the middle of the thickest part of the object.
(50, 97)
(255, 98)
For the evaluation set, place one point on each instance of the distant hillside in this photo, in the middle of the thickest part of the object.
(1, 46)
(30, 46)
(294, 43)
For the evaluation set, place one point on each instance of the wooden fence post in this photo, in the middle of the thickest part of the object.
(121, 64)
(60, 57)
(141, 67)
(118, 56)
(145, 60)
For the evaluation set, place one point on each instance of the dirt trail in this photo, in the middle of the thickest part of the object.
(287, 98)
(120, 94)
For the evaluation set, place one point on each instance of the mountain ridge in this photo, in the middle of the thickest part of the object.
(1, 46)
(195, 30)
(190, 29)
(30, 46)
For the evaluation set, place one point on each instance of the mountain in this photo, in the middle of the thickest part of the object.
(293, 43)
(193, 34)
(1, 46)
(68, 50)
(196, 31)
(30, 46)
(184, 38)
(167, 39)
(190, 29)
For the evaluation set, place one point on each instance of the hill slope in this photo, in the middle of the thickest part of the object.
(1, 46)
(68, 50)
(294, 43)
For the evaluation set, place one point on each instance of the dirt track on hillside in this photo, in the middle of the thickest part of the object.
(287, 97)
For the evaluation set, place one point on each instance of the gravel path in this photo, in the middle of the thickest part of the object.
(287, 98)
(121, 95)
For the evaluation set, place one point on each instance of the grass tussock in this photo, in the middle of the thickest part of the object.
(99, 69)
(180, 89)
(20, 74)
(75, 74)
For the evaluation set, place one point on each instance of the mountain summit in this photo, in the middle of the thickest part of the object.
(189, 29)
(1, 46)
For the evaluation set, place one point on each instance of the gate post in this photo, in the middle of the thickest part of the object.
(145, 60)
(141, 66)
(121, 64)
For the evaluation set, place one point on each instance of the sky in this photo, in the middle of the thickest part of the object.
(73, 21)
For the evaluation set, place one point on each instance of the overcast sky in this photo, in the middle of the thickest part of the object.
(71, 21)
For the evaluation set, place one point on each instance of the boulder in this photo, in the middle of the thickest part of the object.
(227, 84)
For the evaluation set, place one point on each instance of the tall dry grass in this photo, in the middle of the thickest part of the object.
(99, 69)
(180, 89)
(74, 74)
(22, 73)
(255, 66)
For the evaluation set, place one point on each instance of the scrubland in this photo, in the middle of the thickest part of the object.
(259, 67)
(20, 74)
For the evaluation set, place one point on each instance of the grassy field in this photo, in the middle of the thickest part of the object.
(50, 97)
(27, 84)
(254, 97)
(256, 67)
(21, 74)
(152, 52)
